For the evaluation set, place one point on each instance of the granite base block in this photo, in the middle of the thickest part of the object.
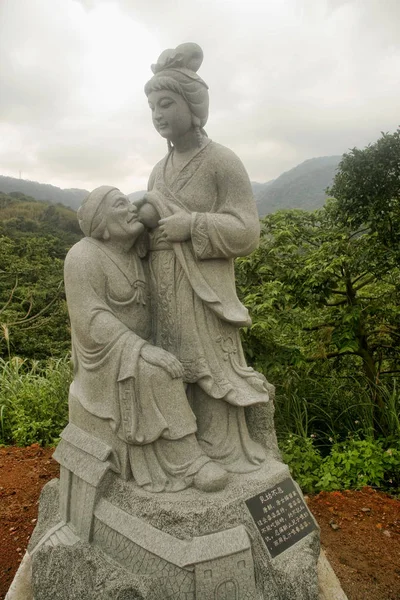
(178, 546)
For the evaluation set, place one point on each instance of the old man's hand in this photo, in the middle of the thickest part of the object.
(161, 358)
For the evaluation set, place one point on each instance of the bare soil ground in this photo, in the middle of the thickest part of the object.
(360, 531)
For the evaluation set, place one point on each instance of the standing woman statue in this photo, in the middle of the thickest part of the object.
(201, 214)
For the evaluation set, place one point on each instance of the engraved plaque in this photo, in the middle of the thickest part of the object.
(281, 516)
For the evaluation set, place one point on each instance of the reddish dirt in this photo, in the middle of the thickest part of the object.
(360, 532)
(363, 545)
(23, 473)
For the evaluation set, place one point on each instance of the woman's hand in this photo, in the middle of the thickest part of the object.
(177, 227)
(161, 358)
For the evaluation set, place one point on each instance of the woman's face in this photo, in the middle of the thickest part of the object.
(170, 113)
(121, 217)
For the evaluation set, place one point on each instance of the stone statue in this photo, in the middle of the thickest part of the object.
(201, 214)
(119, 377)
(162, 399)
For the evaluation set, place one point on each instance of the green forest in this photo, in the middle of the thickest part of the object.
(323, 290)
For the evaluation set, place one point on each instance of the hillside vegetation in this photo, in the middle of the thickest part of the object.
(22, 216)
(34, 239)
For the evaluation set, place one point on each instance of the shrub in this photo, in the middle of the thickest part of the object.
(352, 464)
(33, 401)
(356, 463)
(304, 461)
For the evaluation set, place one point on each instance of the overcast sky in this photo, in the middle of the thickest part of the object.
(289, 80)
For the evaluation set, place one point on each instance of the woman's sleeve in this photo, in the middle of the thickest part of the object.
(234, 228)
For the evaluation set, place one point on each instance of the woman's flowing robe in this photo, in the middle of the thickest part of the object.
(196, 312)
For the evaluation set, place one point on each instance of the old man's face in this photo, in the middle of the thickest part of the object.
(121, 217)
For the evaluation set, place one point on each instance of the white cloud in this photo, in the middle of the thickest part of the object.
(289, 79)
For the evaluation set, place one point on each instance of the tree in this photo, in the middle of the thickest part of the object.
(367, 188)
(321, 292)
(34, 317)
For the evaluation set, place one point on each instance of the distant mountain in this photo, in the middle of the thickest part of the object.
(302, 187)
(43, 191)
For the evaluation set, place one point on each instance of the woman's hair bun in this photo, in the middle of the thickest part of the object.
(192, 55)
(185, 56)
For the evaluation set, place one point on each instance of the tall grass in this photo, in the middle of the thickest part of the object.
(332, 434)
(33, 400)
(332, 408)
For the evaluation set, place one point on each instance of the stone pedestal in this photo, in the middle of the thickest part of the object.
(128, 543)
